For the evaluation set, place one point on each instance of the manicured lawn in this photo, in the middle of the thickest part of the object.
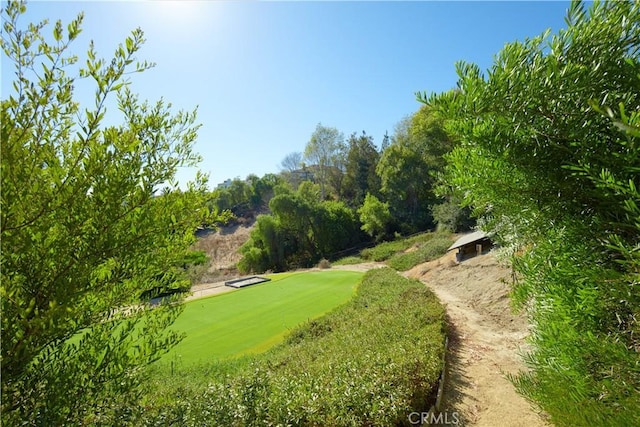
(252, 319)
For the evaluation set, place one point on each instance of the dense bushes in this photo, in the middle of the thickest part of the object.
(429, 246)
(300, 232)
(430, 250)
(549, 156)
(370, 362)
(91, 217)
(585, 364)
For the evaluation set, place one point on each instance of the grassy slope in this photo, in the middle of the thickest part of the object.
(404, 253)
(370, 362)
(253, 319)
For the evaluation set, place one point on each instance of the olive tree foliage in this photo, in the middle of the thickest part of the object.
(84, 230)
(549, 157)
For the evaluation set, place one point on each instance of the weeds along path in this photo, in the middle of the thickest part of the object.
(485, 342)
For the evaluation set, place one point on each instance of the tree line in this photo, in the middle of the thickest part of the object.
(338, 194)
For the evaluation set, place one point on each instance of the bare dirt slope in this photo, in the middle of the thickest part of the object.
(222, 247)
(485, 342)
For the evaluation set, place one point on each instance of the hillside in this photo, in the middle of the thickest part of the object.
(221, 246)
(486, 337)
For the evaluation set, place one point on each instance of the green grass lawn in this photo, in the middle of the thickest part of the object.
(370, 361)
(252, 319)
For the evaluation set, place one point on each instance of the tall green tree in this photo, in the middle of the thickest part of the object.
(360, 172)
(408, 168)
(262, 190)
(326, 151)
(85, 229)
(299, 232)
(236, 197)
(267, 246)
(244, 198)
(451, 216)
(375, 217)
(549, 157)
(386, 140)
(336, 228)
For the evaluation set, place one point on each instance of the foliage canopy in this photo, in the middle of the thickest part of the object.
(85, 229)
(549, 157)
(408, 168)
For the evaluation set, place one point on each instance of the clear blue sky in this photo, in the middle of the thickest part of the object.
(263, 75)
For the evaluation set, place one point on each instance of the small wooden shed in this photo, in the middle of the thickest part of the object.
(471, 244)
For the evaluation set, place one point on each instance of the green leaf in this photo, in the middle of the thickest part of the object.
(129, 44)
(57, 31)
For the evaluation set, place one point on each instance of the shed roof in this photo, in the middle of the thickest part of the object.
(469, 238)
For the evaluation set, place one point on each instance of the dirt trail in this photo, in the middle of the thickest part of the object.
(485, 342)
(485, 339)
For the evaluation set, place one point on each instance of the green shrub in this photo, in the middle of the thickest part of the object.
(550, 164)
(431, 250)
(404, 253)
(386, 250)
(370, 362)
(193, 258)
(584, 369)
(350, 260)
(383, 251)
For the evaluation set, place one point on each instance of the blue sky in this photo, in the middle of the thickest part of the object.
(264, 74)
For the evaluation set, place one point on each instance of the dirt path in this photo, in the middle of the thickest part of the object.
(486, 340)
(207, 289)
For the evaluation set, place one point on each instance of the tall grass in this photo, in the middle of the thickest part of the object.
(350, 260)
